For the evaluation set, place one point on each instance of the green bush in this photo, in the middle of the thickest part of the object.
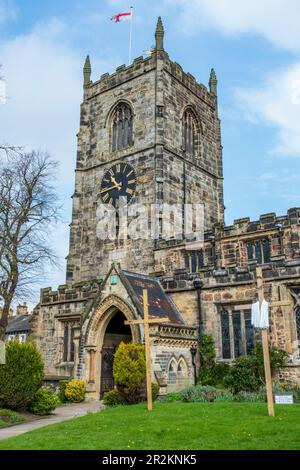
(62, 390)
(210, 373)
(243, 375)
(171, 397)
(201, 394)
(243, 397)
(21, 376)
(112, 398)
(44, 401)
(278, 358)
(75, 391)
(224, 397)
(155, 391)
(130, 372)
(247, 372)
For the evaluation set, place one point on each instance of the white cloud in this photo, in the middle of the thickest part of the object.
(275, 20)
(277, 104)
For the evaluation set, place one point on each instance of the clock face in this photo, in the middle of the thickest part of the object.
(119, 180)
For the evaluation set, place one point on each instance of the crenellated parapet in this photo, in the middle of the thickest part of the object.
(68, 293)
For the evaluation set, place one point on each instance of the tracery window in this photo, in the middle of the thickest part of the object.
(190, 136)
(122, 127)
(237, 333)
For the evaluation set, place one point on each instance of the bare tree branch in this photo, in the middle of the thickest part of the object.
(28, 211)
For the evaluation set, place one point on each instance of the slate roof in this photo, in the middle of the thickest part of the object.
(18, 324)
(160, 303)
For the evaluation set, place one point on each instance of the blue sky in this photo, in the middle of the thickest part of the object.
(254, 47)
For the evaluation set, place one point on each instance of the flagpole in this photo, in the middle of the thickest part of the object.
(130, 35)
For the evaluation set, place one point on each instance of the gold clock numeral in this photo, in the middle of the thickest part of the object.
(124, 169)
(118, 168)
(131, 182)
(111, 200)
(129, 191)
(129, 173)
(105, 197)
(111, 171)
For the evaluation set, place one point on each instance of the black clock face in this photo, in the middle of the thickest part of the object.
(119, 180)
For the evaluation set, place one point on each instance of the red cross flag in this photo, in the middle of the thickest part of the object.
(122, 17)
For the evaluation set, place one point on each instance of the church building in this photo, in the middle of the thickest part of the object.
(150, 134)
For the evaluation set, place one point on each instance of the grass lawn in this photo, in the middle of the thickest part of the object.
(171, 426)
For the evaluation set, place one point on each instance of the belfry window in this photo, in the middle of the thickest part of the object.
(190, 132)
(237, 333)
(122, 124)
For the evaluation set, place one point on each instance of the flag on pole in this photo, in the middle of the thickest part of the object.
(122, 17)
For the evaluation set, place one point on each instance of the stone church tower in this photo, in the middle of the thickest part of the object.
(172, 142)
(151, 133)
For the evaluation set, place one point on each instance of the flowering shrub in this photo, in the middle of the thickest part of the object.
(75, 391)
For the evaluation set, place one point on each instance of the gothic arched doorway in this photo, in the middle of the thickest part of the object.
(116, 332)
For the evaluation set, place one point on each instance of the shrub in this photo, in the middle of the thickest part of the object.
(210, 373)
(243, 375)
(243, 397)
(21, 376)
(62, 390)
(112, 398)
(201, 394)
(130, 372)
(278, 358)
(75, 391)
(155, 391)
(171, 397)
(44, 401)
(247, 373)
(224, 397)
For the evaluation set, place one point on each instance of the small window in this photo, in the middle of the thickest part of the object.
(194, 261)
(122, 124)
(259, 251)
(190, 132)
(68, 343)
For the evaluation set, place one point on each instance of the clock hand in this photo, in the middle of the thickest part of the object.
(118, 185)
(113, 179)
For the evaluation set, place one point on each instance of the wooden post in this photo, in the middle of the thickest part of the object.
(147, 348)
(147, 322)
(265, 344)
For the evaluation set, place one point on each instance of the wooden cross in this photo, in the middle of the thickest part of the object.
(146, 321)
(265, 340)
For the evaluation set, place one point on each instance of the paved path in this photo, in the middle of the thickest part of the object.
(61, 414)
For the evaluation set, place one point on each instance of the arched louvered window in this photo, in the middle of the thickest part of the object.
(122, 124)
(190, 132)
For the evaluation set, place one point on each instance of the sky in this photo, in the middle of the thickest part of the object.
(254, 46)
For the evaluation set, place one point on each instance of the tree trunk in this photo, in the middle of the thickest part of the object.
(4, 320)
